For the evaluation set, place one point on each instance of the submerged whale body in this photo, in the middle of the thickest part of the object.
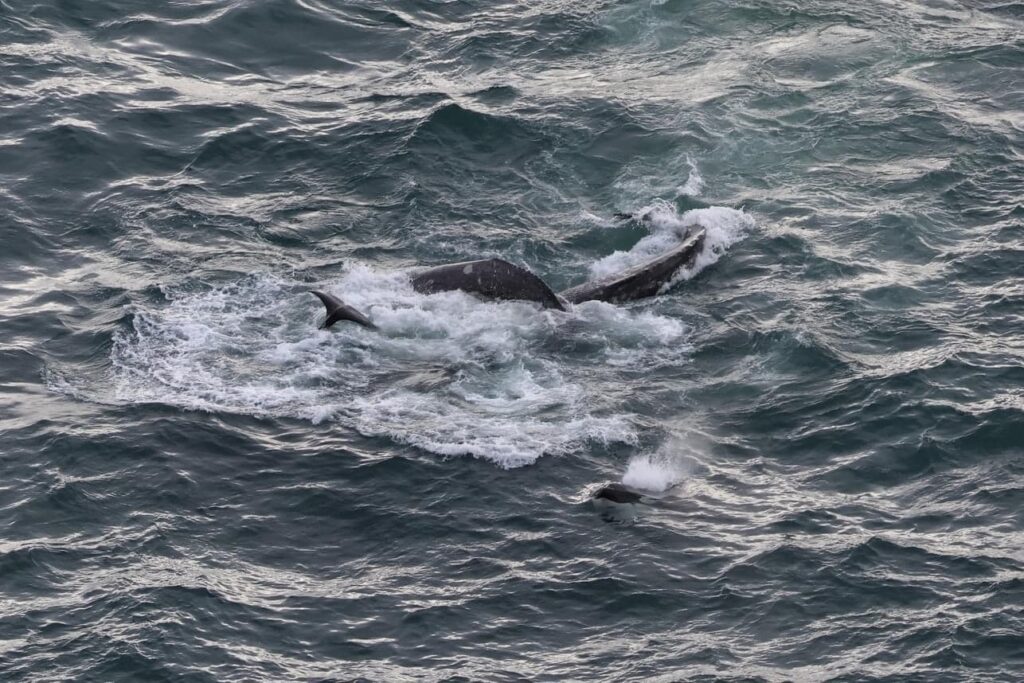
(498, 279)
(617, 493)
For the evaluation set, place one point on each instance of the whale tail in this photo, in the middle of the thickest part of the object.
(339, 310)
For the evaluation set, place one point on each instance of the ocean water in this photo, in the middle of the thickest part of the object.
(825, 412)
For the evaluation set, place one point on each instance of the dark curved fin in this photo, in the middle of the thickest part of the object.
(339, 310)
(640, 281)
(492, 278)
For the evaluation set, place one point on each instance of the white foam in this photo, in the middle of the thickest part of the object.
(446, 372)
(658, 472)
(602, 221)
(508, 427)
(724, 228)
(694, 184)
(629, 329)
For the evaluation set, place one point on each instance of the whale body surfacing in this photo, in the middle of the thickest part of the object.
(491, 278)
(617, 493)
(496, 278)
(639, 282)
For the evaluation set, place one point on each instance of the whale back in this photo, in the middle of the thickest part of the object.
(618, 493)
(491, 278)
(644, 280)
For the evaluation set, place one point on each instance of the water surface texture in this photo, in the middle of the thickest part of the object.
(198, 484)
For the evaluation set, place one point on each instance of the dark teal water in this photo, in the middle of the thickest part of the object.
(196, 484)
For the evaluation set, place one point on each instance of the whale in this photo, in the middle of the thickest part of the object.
(641, 281)
(618, 494)
(338, 310)
(497, 279)
(492, 278)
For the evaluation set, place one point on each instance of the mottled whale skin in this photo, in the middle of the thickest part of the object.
(641, 281)
(493, 278)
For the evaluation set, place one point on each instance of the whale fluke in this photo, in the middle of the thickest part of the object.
(492, 278)
(339, 310)
(641, 281)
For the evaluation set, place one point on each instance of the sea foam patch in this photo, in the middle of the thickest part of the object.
(447, 372)
(671, 465)
(654, 473)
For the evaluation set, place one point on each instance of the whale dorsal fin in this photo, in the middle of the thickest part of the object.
(339, 310)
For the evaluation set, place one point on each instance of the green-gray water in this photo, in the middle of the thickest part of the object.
(197, 484)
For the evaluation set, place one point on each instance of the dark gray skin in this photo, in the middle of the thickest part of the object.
(617, 493)
(641, 281)
(497, 279)
(339, 310)
(492, 278)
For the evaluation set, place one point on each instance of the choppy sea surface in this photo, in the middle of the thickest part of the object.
(827, 410)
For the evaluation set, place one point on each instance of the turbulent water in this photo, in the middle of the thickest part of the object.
(826, 411)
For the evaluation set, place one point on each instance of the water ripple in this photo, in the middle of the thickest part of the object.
(824, 412)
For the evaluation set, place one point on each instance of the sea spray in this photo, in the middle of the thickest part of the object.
(669, 228)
